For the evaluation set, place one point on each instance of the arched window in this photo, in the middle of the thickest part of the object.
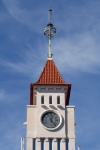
(42, 99)
(50, 99)
(58, 99)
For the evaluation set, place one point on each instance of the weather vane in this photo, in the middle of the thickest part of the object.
(49, 31)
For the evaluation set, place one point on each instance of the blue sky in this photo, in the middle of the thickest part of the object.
(23, 53)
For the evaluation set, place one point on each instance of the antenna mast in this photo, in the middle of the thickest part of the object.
(49, 32)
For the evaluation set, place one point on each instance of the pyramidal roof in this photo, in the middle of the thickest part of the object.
(50, 74)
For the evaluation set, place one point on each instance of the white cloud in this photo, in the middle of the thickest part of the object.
(29, 62)
(14, 9)
(78, 52)
(22, 15)
(82, 53)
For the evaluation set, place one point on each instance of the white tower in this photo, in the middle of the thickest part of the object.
(50, 118)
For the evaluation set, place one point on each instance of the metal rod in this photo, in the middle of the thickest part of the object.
(22, 143)
(79, 148)
(50, 16)
(49, 48)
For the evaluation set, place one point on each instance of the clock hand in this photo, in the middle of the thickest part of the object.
(52, 121)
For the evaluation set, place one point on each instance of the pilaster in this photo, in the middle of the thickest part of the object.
(29, 144)
(71, 145)
(46, 144)
(62, 144)
(38, 144)
(54, 144)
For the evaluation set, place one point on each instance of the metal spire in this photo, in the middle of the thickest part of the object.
(49, 32)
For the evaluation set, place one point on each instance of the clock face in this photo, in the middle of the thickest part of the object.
(50, 119)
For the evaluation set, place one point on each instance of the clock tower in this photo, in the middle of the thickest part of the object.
(50, 119)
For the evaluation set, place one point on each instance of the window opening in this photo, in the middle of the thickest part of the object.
(34, 144)
(50, 99)
(42, 99)
(67, 144)
(50, 144)
(42, 144)
(58, 144)
(58, 99)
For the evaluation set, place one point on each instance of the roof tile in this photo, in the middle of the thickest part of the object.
(50, 74)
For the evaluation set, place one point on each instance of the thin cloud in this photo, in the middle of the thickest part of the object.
(77, 47)
(14, 9)
(22, 15)
(78, 52)
(28, 62)
(82, 53)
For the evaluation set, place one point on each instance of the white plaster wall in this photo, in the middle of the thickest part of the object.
(54, 92)
(63, 144)
(46, 144)
(54, 144)
(34, 127)
(31, 121)
(38, 144)
(29, 143)
(70, 122)
(42, 132)
(71, 145)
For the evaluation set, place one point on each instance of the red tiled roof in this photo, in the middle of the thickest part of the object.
(50, 74)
